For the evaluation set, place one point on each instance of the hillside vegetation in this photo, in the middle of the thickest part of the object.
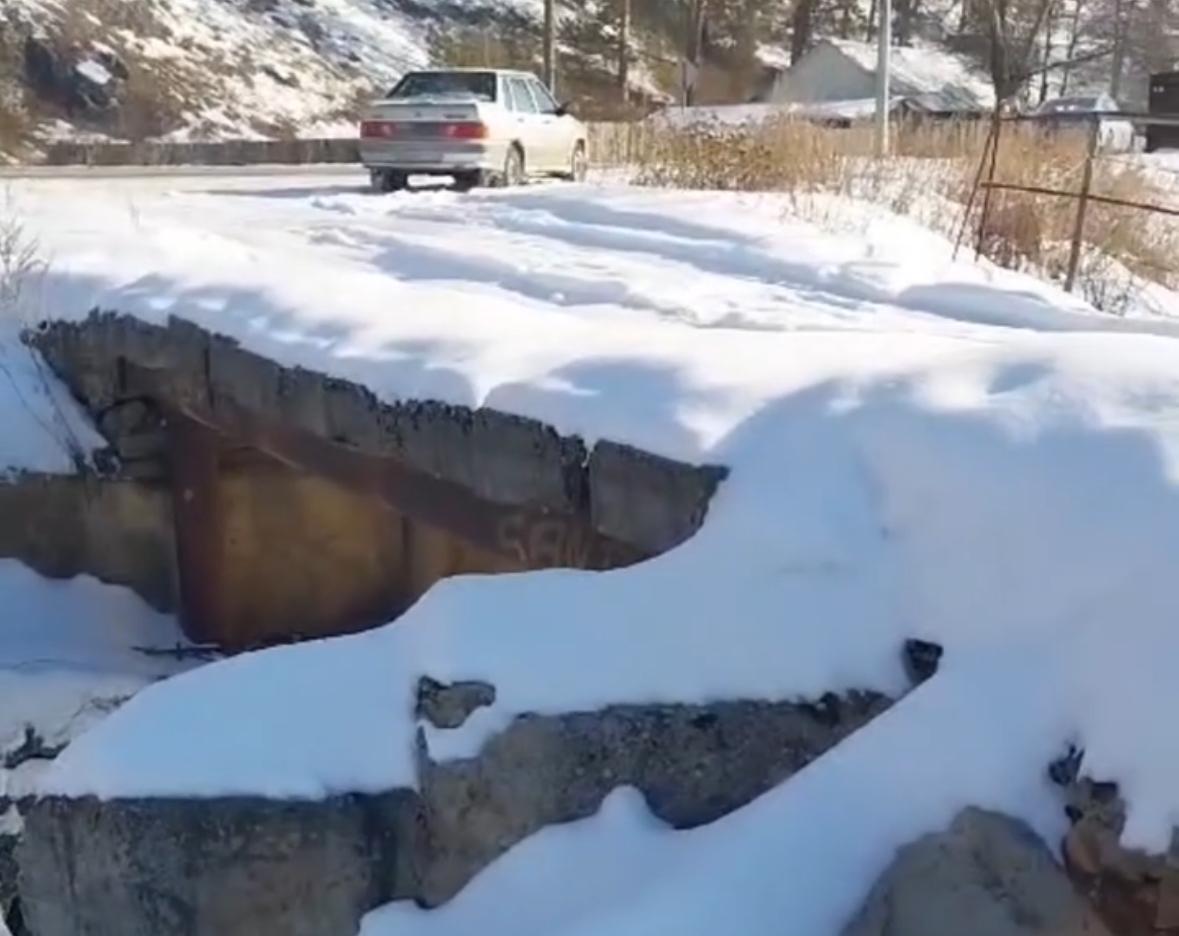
(209, 69)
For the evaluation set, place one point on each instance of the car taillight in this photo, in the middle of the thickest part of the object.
(466, 130)
(377, 129)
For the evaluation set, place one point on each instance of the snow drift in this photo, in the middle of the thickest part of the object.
(918, 448)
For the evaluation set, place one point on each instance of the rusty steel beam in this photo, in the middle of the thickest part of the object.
(192, 451)
(535, 538)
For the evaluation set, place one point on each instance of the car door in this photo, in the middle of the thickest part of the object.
(527, 118)
(560, 131)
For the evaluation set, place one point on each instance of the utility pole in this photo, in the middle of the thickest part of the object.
(550, 45)
(884, 41)
(624, 50)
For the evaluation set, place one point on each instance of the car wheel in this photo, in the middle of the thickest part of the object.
(387, 180)
(513, 173)
(465, 181)
(578, 164)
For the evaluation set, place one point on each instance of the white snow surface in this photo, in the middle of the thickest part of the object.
(918, 447)
(67, 658)
(729, 115)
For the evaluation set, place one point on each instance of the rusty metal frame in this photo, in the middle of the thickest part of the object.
(198, 429)
(1092, 121)
(1065, 193)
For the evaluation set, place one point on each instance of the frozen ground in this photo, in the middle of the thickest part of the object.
(918, 448)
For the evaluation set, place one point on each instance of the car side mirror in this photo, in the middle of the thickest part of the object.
(562, 109)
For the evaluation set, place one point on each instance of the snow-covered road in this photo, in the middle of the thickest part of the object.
(498, 297)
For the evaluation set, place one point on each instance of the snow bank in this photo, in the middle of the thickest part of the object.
(42, 424)
(563, 877)
(918, 448)
(736, 115)
(67, 658)
(805, 852)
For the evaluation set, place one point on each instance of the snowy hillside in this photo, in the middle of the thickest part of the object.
(919, 447)
(228, 68)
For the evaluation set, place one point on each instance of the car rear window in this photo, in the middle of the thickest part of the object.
(479, 85)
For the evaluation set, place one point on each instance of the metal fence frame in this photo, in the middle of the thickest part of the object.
(988, 164)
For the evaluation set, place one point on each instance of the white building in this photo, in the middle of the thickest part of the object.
(926, 78)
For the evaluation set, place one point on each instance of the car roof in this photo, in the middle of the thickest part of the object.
(514, 72)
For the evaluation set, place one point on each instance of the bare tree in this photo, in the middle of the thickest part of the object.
(695, 39)
(1121, 22)
(802, 21)
(1049, 30)
(1070, 53)
(1013, 27)
(624, 50)
(906, 14)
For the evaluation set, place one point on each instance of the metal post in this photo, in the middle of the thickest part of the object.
(1074, 254)
(982, 164)
(997, 125)
(550, 45)
(199, 518)
(884, 40)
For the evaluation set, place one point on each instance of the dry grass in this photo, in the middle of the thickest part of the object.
(929, 177)
(16, 124)
(20, 267)
(21, 274)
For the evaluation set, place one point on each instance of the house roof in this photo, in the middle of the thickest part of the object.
(773, 56)
(939, 80)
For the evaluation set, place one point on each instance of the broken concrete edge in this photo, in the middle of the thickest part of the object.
(239, 865)
(646, 501)
(118, 531)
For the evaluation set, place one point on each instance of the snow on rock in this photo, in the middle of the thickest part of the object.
(93, 72)
(919, 448)
(806, 852)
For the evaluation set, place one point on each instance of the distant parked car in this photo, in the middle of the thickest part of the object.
(1116, 133)
(481, 126)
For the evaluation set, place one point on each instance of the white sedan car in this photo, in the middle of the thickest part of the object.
(481, 126)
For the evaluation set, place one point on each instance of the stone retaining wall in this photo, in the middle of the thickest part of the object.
(258, 867)
(227, 153)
